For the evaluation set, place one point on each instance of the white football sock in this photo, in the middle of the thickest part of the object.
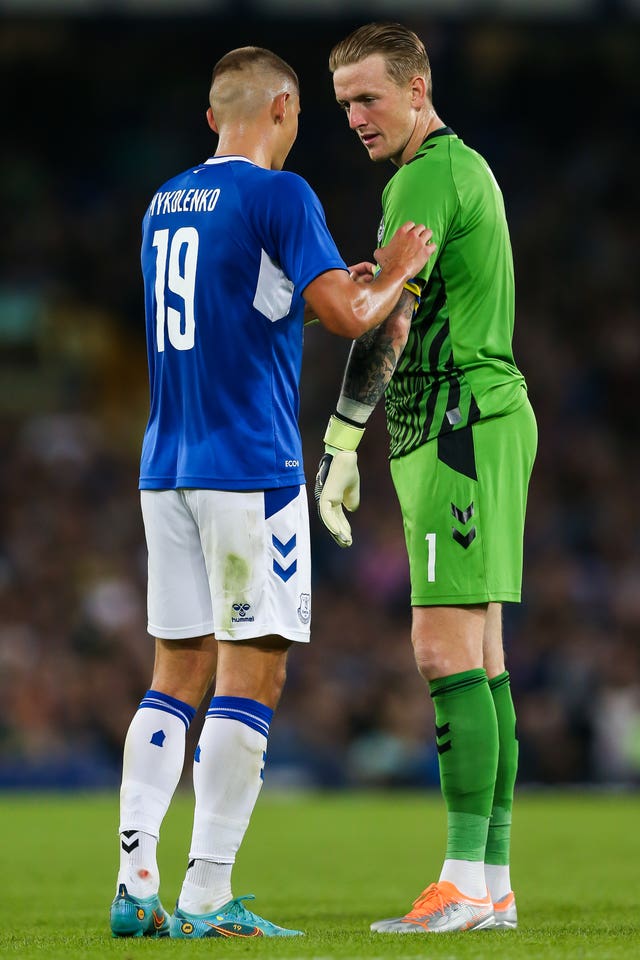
(152, 765)
(206, 887)
(138, 865)
(467, 876)
(227, 777)
(498, 879)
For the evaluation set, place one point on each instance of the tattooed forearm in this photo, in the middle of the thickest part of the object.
(372, 361)
(375, 355)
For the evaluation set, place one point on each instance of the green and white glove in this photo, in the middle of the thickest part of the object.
(338, 481)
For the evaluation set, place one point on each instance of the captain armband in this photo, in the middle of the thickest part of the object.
(415, 286)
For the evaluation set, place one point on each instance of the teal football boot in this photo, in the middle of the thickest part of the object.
(231, 920)
(138, 916)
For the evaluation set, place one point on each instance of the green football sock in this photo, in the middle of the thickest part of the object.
(467, 742)
(499, 837)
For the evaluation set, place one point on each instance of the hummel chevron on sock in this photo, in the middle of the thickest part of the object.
(227, 777)
(152, 765)
(467, 743)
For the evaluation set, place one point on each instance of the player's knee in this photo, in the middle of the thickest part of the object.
(429, 664)
(434, 661)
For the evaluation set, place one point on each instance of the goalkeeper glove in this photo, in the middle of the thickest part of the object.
(338, 480)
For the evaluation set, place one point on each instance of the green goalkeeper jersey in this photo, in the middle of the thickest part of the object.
(457, 366)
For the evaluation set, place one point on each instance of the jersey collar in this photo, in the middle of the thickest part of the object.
(440, 132)
(214, 160)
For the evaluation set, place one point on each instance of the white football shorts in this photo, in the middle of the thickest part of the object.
(236, 564)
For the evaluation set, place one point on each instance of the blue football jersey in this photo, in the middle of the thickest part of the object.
(227, 249)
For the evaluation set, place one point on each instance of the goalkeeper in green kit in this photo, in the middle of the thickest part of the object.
(463, 440)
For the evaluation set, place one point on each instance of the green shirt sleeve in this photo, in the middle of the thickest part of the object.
(435, 202)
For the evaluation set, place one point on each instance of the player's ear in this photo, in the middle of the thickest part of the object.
(211, 120)
(418, 88)
(279, 107)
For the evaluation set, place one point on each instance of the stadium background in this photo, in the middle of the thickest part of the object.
(102, 102)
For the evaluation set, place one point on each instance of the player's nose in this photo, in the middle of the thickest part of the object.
(356, 117)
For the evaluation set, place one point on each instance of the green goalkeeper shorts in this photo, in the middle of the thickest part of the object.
(463, 498)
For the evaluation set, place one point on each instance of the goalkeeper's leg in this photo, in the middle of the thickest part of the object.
(448, 649)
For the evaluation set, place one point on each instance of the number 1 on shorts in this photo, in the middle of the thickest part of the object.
(431, 557)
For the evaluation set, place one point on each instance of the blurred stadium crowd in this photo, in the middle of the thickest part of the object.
(97, 115)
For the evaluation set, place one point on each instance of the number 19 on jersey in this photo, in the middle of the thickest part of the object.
(176, 272)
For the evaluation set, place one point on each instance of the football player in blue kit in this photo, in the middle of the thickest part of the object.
(235, 252)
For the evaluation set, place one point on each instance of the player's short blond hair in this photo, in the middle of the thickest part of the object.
(251, 60)
(403, 51)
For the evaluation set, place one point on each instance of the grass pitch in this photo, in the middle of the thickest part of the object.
(328, 864)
